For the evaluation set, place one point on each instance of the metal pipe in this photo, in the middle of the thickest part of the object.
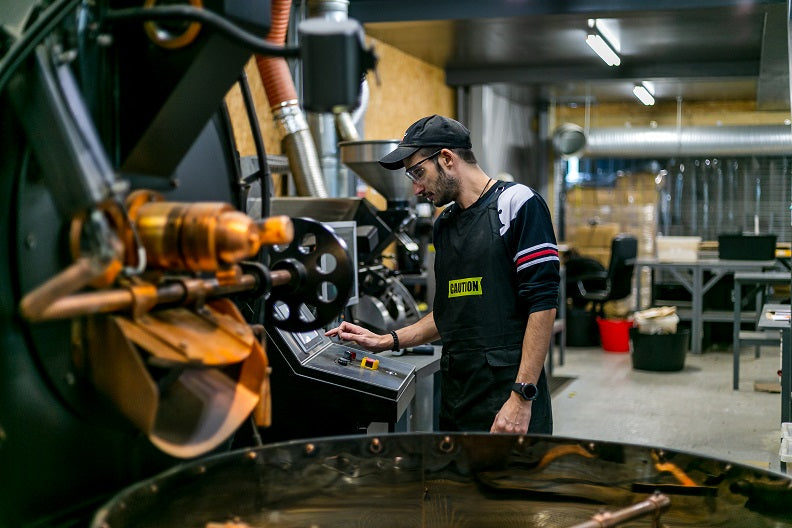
(654, 504)
(346, 127)
(329, 129)
(301, 151)
(365, 95)
(73, 278)
(332, 9)
(278, 164)
(289, 117)
(117, 300)
(760, 140)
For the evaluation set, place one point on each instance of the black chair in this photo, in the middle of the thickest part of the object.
(598, 286)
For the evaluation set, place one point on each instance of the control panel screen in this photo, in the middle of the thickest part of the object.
(307, 341)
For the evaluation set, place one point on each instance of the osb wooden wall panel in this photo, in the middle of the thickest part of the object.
(239, 117)
(408, 89)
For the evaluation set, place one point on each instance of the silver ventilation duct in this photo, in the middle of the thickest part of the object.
(762, 140)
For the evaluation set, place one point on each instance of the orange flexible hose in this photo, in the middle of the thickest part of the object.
(274, 71)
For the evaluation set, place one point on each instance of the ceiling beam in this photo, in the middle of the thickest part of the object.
(366, 11)
(467, 76)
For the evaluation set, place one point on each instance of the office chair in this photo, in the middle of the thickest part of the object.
(600, 286)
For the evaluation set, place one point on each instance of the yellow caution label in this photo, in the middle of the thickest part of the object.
(462, 287)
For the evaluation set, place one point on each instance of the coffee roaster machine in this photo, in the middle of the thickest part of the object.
(136, 293)
(378, 300)
(385, 303)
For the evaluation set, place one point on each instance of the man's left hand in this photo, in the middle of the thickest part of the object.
(513, 417)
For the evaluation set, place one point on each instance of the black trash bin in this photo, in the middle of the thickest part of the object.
(581, 328)
(659, 352)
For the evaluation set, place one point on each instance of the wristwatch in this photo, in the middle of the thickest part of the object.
(527, 391)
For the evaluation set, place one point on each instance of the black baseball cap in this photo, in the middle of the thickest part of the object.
(432, 131)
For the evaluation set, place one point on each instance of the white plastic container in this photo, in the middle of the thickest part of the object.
(785, 452)
(677, 248)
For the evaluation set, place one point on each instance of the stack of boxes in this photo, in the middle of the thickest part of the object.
(595, 215)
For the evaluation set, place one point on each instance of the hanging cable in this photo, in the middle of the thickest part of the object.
(264, 175)
(261, 153)
(223, 25)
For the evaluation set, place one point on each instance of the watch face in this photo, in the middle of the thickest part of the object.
(527, 390)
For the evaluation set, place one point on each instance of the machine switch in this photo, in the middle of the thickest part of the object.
(348, 354)
(369, 363)
(342, 361)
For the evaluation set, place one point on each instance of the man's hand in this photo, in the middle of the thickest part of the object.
(513, 417)
(369, 340)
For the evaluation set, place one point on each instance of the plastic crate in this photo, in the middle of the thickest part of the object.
(785, 451)
(746, 247)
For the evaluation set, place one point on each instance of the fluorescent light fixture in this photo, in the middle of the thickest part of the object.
(601, 46)
(643, 95)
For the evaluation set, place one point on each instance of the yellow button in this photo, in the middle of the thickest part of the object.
(369, 363)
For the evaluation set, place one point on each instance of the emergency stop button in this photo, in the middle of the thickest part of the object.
(369, 363)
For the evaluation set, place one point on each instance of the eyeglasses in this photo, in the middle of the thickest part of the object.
(414, 172)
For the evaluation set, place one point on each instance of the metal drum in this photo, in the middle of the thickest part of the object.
(432, 480)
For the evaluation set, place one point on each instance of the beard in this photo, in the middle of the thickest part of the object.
(446, 188)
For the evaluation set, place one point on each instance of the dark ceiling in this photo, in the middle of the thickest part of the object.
(696, 50)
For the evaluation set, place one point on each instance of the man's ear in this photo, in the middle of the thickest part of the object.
(447, 158)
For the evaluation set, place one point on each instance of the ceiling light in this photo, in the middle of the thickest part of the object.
(601, 46)
(644, 95)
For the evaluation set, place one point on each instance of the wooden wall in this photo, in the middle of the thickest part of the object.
(239, 118)
(408, 89)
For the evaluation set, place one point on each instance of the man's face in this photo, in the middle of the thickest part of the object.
(431, 181)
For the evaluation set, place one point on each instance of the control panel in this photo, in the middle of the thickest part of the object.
(314, 354)
(338, 387)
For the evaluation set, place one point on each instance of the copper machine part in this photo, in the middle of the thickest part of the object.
(123, 299)
(219, 373)
(77, 275)
(655, 504)
(167, 39)
(204, 236)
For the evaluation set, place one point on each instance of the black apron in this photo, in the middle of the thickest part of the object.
(476, 312)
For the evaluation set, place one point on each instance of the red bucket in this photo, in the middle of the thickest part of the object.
(615, 334)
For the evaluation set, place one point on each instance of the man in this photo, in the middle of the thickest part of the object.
(496, 270)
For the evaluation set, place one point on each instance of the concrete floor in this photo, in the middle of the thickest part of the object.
(693, 410)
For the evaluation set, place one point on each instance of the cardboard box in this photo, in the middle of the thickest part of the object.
(594, 236)
(677, 248)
